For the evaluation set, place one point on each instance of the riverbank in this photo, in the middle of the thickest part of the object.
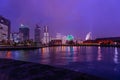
(97, 45)
(20, 70)
(18, 47)
(37, 47)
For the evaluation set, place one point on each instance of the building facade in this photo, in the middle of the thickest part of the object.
(24, 30)
(4, 29)
(16, 37)
(37, 35)
(46, 37)
(88, 36)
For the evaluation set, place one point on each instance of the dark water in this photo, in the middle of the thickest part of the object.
(99, 61)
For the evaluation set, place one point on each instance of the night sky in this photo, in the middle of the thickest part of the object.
(76, 17)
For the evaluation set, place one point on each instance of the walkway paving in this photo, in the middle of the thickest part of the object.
(20, 70)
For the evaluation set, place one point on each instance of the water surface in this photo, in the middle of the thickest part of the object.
(99, 61)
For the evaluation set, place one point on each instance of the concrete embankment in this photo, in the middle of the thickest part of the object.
(20, 70)
(18, 47)
(38, 47)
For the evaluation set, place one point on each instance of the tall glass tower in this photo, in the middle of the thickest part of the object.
(37, 34)
(25, 31)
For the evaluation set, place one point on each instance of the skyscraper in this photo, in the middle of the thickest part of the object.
(24, 30)
(4, 29)
(46, 37)
(37, 34)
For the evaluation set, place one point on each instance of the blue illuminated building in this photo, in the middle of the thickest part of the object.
(25, 31)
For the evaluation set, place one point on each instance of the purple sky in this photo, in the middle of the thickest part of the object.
(77, 17)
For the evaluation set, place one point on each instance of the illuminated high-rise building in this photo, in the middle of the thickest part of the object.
(37, 34)
(24, 30)
(46, 37)
(4, 29)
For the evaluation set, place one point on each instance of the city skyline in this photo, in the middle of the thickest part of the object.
(78, 17)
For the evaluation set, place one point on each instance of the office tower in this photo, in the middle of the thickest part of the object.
(46, 37)
(37, 34)
(24, 30)
(4, 29)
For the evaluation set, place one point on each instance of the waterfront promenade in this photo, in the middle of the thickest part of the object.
(19, 47)
(43, 46)
(20, 70)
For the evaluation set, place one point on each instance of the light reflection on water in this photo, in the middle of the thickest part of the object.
(116, 59)
(100, 61)
(99, 58)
